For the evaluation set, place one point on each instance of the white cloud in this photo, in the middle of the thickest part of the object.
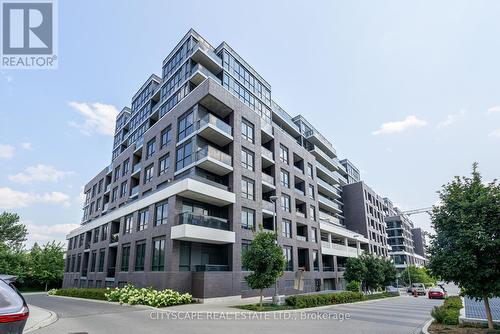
(12, 199)
(46, 233)
(495, 133)
(494, 110)
(26, 146)
(99, 118)
(450, 119)
(6, 151)
(400, 126)
(39, 173)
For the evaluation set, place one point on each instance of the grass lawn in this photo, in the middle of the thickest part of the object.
(452, 329)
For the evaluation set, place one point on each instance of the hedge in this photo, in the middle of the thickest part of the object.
(448, 313)
(80, 293)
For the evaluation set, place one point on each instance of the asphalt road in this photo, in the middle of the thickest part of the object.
(395, 315)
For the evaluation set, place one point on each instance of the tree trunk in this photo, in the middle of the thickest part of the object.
(488, 311)
(45, 286)
(260, 298)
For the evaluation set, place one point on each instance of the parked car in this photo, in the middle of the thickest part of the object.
(418, 287)
(392, 289)
(436, 293)
(13, 308)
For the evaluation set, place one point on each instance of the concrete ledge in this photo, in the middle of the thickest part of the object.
(39, 318)
(425, 329)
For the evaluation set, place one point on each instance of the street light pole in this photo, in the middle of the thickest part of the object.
(274, 199)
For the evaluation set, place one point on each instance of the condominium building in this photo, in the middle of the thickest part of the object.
(352, 172)
(364, 212)
(202, 159)
(419, 245)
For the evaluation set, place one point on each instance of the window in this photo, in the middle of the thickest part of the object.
(186, 125)
(114, 194)
(310, 170)
(143, 219)
(245, 246)
(310, 191)
(98, 204)
(287, 251)
(125, 257)
(284, 154)
(99, 187)
(247, 130)
(148, 173)
(161, 213)
(140, 252)
(285, 202)
(247, 219)
(123, 189)
(102, 253)
(312, 212)
(166, 136)
(93, 260)
(126, 167)
(247, 188)
(158, 255)
(313, 234)
(150, 148)
(315, 260)
(164, 164)
(285, 178)
(117, 174)
(94, 187)
(286, 228)
(247, 159)
(104, 232)
(96, 234)
(127, 224)
(79, 262)
(184, 155)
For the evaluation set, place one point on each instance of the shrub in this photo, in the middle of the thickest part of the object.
(448, 313)
(52, 292)
(354, 286)
(303, 301)
(453, 302)
(147, 296)
(81, 293)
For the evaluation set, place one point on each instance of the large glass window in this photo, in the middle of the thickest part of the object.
(148, 173)
(124, 266)
(127, 228)
(247, 159)
(285, 178)
(150, 148)
(310, 170)
(286, 228)
(161, 213)
(126, 167)
(247, 188)
(158, 255)
(123, 189)
(140, 253)
(284, 154)
(285, 202)
(245, 246)
(142, 224)
(184, 155)
(186, 125)
(247, 130)
(287, 251)
(166, 136)
(104, 232)
(102, 254)
(248, 219)
(315, 260)
(164, 164)
(311, 191)
(93, 260)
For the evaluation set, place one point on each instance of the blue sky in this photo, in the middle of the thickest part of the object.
(406, 90)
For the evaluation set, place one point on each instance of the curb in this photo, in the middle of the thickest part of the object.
(44, 323)
(425, 329)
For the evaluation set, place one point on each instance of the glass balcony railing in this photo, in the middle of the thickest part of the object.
(218, 123)
(136, 168)
(208, 50)
(134, 191)
(212, 152)
(328, 186)
(323, 199)
(205, 221)
(205, 72)
(108, 188)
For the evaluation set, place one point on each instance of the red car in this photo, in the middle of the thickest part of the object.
(437, 293)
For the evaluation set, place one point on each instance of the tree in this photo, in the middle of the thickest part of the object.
(13, 262)
(374, 271)
(416, 275)
(355, 270)
(466, 247)
(12, 233)
(389, 271)
(265, 258)
(47, 263)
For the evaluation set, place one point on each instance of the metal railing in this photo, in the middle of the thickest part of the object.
(217, 122)
(212, 152)
(205, 221)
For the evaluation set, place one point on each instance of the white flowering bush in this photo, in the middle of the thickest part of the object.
(147, 296)
(52, 292)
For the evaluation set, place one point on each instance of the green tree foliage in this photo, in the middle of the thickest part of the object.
(374, 278)
(355, 270)
(466, 247)
(14, 262)
(416, 275)
(372, 271)
(47, 263)
(12, 233)
(389, 271)
(266, 261)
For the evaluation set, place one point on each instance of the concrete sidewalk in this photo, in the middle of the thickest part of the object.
(39, 318)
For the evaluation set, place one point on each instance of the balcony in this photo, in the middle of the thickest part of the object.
(136, 169)
(329, 204)
(215, 130)
(325, 173)
(108, 189)
(84, 272)
(301, 238)
(300, 214)
(105, 207)
(328, 218)
(114, 238)
(267, 157)
(284, 120)
(214, 160)
(199, 228)
(110, 272)
(211, 267)
(134, 192)
(200, 74)
(339, 250)
(328, 188)
(324, 158)
(87, 244)
(139, 143)
(203, 54)
(267, 208)
(267, 182)
(299, 192)
(110, 170)
(267, 130)
(318, 139)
